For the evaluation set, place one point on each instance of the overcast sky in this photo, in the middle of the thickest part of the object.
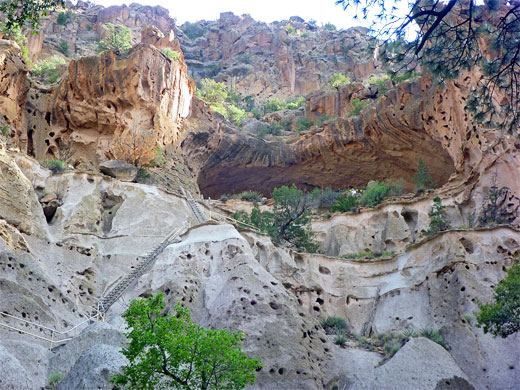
(322, 11)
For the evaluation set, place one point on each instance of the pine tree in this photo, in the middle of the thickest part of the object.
(422, 178)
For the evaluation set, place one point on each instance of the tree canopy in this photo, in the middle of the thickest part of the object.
(453, 36)
(502, 316)
(170, 351)
(19, 11)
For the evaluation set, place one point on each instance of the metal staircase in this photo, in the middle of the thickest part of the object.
(195, 207)
(115, 293)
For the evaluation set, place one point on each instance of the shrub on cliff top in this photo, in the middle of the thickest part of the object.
(170, 53)
(376, 192)
(118, 38)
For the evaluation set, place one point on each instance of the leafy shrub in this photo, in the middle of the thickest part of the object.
(245, 58)
(54, 380)
(381, 82)
(5, 129)
(338, 79)
(48, 69)
(63, 48)
(340, 340)
(296, 103)
(333, 324)
(422, 178)
(433, 335)
(357, 106)
(273, 105)
(119, 38)
(14, 33)
(407, 75)
(193, 30)
(438, 218)
(272, 128)
(369, 255)
(171, 54)
(500, 317)
(345, 203)
(376, 192)
(236, 115)
(329, 27)
(289, 28)
(491, 209)
(250, 196)
(136, 147)
(54, 165)
(62, 19)
(304, 124)
(89, 27)
(159, 158)
(323, 198)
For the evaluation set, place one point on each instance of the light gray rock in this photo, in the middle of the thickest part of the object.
(13, 375)
(120, 170)
(65, 356)
(94, 369)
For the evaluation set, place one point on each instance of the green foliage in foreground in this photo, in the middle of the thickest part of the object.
(289, 222)
(376, 192)
(17, 12)
(170, 351)
(502, 316)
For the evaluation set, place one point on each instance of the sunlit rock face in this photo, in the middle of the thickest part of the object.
(142, 91)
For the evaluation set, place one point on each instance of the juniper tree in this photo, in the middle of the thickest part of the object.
(422, 178)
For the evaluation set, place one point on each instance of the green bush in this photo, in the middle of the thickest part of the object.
(329, 27)
(5, 129)
(491, 208)
(49, 69)
(273, 105)
(376, 192)
(250, 196)
(357, 106)
(159, 158)
(381, 82)
(272, 128)
(54, 380)
(323, 198)
(338, 79)
(294, 104)
(345, 203)
(304, 124)
(245, 58)
(62, 18)
(193, 30)
(171, 54)
(340, 340)
(407, 75)
(438, 218)
(236, 115)
(333, 324)
(63, 48)
(501, 317)
(289, 28)
(433, 335)
(14, 33)
(54, 165)
(119, 38)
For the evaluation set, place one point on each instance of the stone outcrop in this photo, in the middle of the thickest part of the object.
(141, 91)
(119, 169)
(279, 59)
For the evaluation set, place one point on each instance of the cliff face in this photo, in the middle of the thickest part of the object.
(280, 59)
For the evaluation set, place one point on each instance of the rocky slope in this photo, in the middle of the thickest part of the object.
(67, 238)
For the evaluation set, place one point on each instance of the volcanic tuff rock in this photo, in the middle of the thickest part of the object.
(139, 91)
(266, 60)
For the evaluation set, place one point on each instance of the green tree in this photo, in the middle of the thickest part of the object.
(344, 203)
(62, 19)
(438, 218)
(450, 37)
(502, 316)
(338, 79)
(171, 54)
(170, 351)
(422, 178)
(289, 220)
(212, 92)
(119, 38)
(19, 11)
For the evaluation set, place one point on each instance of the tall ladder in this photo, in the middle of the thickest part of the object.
(195, 207)
(109, 299)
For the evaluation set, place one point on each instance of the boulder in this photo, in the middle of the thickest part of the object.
(119, 169)
(94, 368)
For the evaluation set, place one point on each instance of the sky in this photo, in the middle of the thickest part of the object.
(322, 11)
